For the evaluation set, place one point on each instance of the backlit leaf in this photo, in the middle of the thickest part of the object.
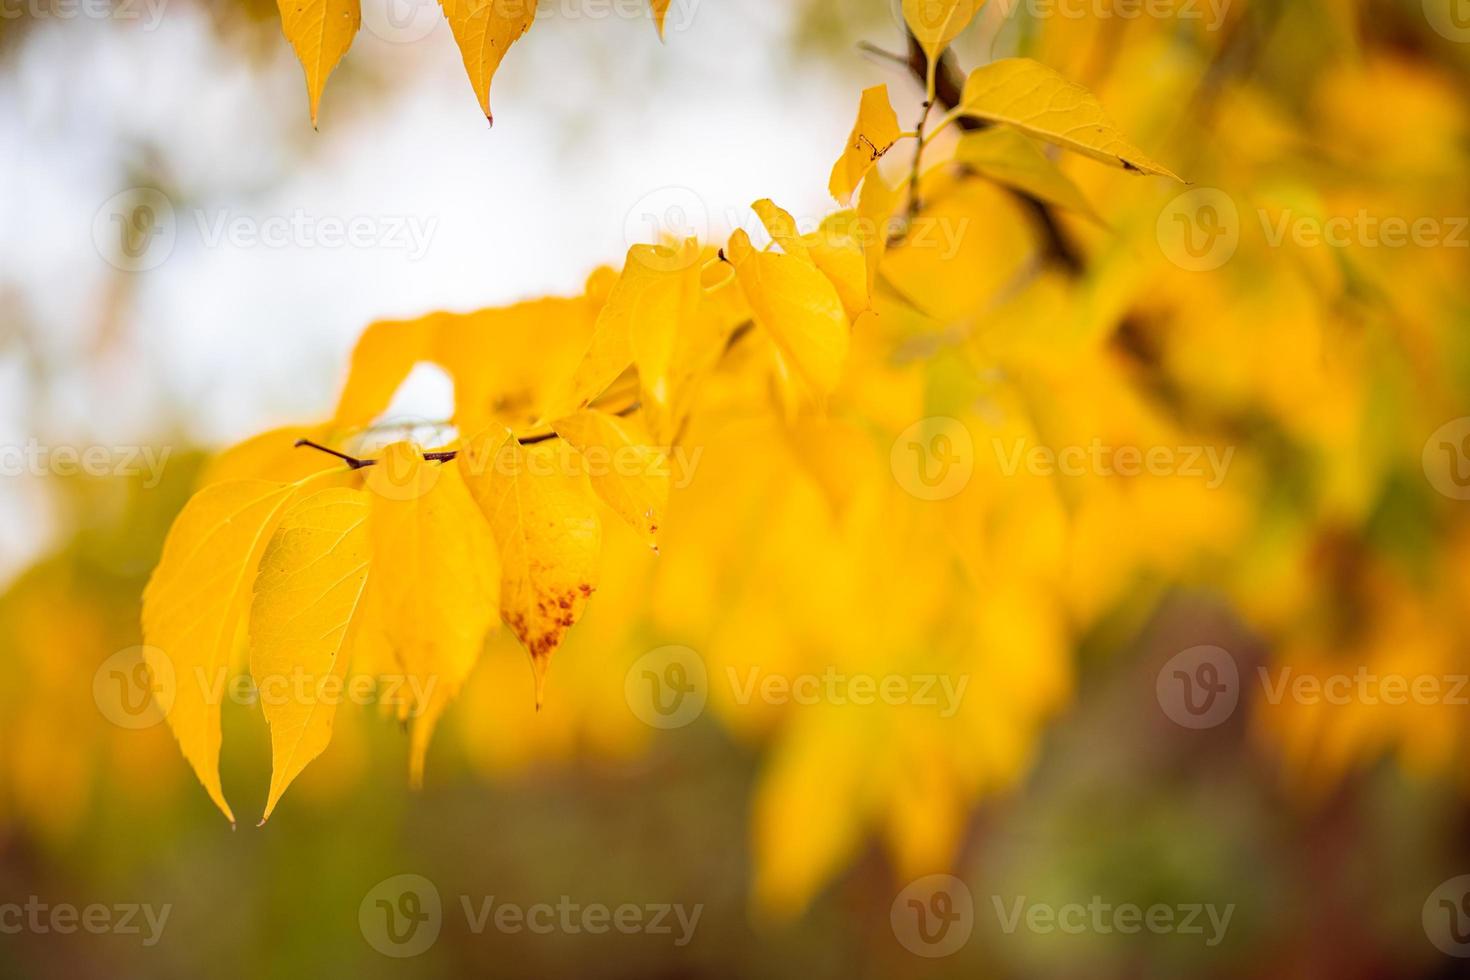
(1035, 100)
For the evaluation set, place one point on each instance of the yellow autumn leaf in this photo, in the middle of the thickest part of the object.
(782, 228)
(1006, 157)
(874, 133)
(838, 249)
(271, 455)
(630, 476)
(545, 524)
(798, 307)
(484, 30)
(660, 13)
(195, 603)
(1035, 100)
(936, 23)
(321, 31)
(308, 596)
(434, 583)
(875, 208)
(657, 292)
(383, 357)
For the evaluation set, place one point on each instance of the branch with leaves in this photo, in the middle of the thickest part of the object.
(404, 562)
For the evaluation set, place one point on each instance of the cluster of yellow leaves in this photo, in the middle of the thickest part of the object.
(401, 563)
(321, 31)
(798, 366)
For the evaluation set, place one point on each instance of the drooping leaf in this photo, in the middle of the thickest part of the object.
(798, 307)
(545, 523)
(321, 31)
(1035, 100)
(484, 30)
(195, 603)
(435, 580)
(630, 476)
(308, 597)
(874, 133)
(660, 13)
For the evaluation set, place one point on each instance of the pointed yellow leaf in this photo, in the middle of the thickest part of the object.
(660, 13)
(874, 133)
(542, 514)
(308, 596)
(798, 307)
(321, 31)
(630, 476)
(1006, 157)
(194, 605)
(484, 30)
(782, 228)
(1030, 97)
(434, 581)
(936, 23)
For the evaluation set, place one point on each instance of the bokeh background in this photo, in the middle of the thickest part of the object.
(1338, 374)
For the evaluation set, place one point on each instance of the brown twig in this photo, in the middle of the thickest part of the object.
(447, 455)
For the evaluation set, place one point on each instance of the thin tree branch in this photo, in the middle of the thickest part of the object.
(447, 455)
